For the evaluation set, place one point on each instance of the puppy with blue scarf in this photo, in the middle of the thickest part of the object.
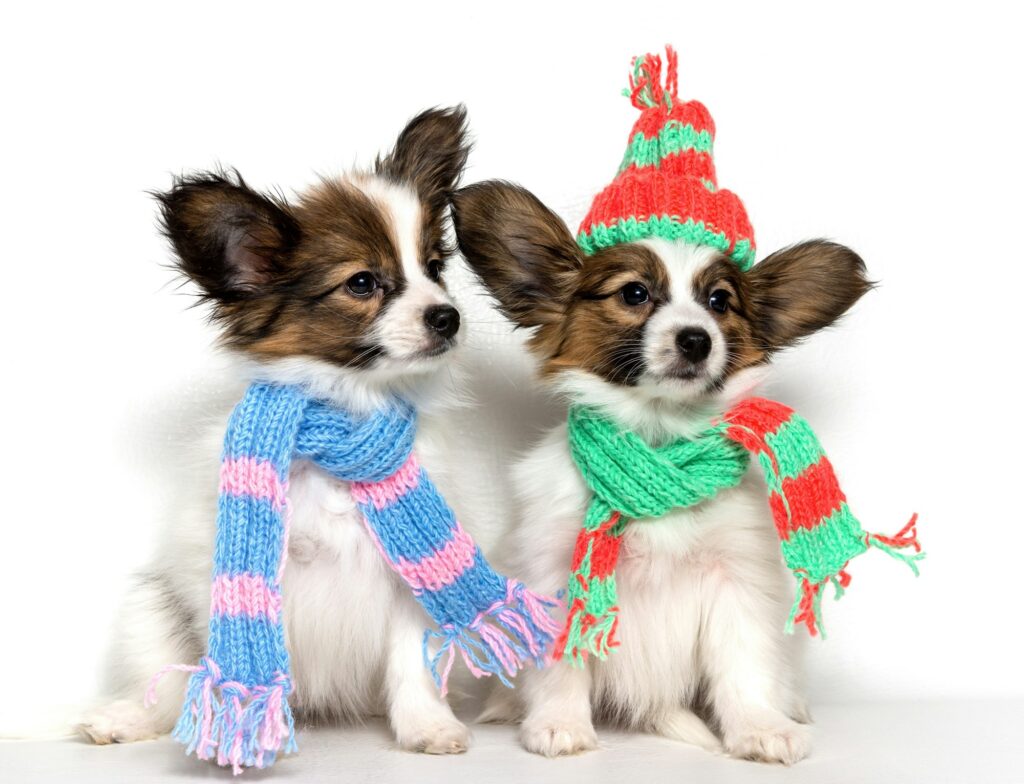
(324, 530)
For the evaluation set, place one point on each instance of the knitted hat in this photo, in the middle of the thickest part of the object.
(666, 185)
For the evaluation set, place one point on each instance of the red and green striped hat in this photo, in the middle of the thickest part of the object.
(666, 186)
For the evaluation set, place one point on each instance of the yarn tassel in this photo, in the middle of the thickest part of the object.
(645, 87)
(585, 634)
(500, 641)
(593, 610)
(894, 545)
(231, 723)
(807, 606)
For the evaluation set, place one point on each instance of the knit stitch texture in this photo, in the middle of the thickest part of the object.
(631, 480)
(236, 709)
(666, 185)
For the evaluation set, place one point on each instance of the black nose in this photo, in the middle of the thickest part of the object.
(694, 344)
(443, 319)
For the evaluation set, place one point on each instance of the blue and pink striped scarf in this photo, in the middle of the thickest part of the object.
(236, 709)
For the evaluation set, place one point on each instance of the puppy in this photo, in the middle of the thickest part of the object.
(341, 292)
(663, 336)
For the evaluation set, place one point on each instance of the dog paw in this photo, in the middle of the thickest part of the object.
(443, 736)
(123, 721)
(558, 738)
(784, 742)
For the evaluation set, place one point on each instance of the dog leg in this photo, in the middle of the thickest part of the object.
(420, 718)
(743, 653)
(156, 628)
(558, 715)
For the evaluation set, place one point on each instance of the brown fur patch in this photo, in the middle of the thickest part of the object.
(788, 296)
(599, 332)
(537, 273)
(521, 249)
(806, 287)
(430, 155)
(276, 272)
(300, 305)
(530, 262)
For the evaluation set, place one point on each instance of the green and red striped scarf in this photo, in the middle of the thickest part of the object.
(631, 480)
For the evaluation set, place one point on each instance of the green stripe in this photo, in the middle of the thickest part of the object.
(667, 227)
(824, 550)
(771, 479)
(795, 446)
(597, 515)
(600, 599)
(672, 138)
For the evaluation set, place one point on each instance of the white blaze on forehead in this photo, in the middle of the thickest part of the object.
(682, 262)
(404, 212)
(401, 329)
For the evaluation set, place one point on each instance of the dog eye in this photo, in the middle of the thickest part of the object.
(719, 300)
(635, 294)
(362, 284)
(434, 269)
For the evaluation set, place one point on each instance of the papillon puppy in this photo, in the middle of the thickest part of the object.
(663, 336)
(340, 291)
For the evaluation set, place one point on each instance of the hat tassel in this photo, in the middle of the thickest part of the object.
(645, 87)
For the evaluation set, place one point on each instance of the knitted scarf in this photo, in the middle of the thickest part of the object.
(631, 480)
(236, 708)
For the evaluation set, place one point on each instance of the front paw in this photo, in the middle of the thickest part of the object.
(781, 741)
(123, 721)
(438, 736)
(556, 738)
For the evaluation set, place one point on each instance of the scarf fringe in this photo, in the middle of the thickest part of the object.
(807, 606)
(585, 634)
(231, 723)
(500, 641)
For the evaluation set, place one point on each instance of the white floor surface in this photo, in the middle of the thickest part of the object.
(974, 742)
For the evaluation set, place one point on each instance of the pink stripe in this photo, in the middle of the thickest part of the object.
(443, 567)
(245, 594)
(385, 493)
(252, 477)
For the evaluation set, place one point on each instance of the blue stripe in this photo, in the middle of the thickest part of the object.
(373, 448)
(417, 525)
(252, 541)
(248, 650)
(264, 423)
(461, 602)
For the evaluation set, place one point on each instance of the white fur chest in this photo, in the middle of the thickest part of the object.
(554, 498)
(339, 594)
(670, 571)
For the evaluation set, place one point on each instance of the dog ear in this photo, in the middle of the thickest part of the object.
(801, 289)
(521, 250)
(229, 239)
(430, 154)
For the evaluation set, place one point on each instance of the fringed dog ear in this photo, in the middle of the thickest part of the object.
(229, 239)
(430, 154)
(803, 288)
(521, 250)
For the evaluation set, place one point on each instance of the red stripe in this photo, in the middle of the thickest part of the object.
(759, 415)
(644, 193)
(605, 553)
(693, 113)
(812, 497)
(779, 515)
(685, 163)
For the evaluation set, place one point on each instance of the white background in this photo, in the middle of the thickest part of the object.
(894, 131)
